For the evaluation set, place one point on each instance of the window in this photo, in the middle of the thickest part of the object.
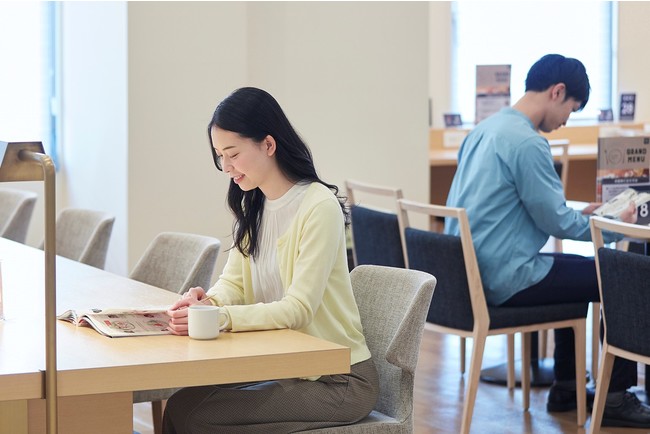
(27, 75)
(519, 33)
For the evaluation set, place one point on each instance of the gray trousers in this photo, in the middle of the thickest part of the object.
(280, 406)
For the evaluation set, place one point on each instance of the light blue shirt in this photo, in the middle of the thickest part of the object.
(514, 200)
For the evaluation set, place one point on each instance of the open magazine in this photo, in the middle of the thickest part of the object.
(614, 207)
(116, 323)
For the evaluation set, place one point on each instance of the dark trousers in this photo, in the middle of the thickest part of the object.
(572, 279)
(274, 407)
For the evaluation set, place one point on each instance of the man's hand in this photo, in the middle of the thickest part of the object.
(630, 214)
(589, 209)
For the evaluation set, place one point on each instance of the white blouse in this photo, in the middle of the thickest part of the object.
(276, 218)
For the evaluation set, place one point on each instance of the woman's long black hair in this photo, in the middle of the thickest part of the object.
(254, 114)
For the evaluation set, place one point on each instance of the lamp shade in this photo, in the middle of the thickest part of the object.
(13, 168)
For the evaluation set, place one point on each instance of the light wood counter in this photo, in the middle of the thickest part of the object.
(583, 152)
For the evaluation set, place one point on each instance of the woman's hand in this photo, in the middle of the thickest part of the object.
(178, 311)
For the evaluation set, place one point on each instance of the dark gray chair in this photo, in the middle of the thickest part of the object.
(624, 284)
(393, 326)
(16, 209)
(176, 262)
(459, 306)
(375, 232)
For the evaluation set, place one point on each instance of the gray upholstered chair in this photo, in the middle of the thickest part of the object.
(459, 306)
(177, 262)
(16, 208)
(393, 325)
(83, 235)
(624, 284)
(375, 232)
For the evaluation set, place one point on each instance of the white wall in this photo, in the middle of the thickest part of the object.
(183, 58)
(352, 78)
(93, 154)
(440, 29)
(633, 61)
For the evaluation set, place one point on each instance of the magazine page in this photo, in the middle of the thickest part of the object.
(616, 206)
(121, 322)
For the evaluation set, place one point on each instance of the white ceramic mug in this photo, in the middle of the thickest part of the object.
(203, 321)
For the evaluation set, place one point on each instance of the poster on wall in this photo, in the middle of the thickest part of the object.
(628, 105)
(605, 115)
(452, 120)
(623, 162)
(492, 89)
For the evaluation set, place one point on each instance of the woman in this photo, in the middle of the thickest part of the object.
(287, 269)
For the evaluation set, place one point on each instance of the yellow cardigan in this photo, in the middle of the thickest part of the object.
(318, 297)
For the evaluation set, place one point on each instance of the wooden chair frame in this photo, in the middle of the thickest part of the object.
(482, 329)
(351, 186)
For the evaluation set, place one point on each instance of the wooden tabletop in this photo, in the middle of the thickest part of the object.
(91, 363)
(449, 157)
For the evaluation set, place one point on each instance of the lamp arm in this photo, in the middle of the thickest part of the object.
(49, 173)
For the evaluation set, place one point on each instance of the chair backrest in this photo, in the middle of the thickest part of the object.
(624, 283)
(393, 325)
(16, 208)
(562, 163)
(178, 261)
(459, 300)
(375, 232)
(83, 235)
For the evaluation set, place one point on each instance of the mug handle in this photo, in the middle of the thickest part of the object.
(222, 325)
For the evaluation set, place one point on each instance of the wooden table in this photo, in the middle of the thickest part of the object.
(96, 374)
(583, 149)
(581, 184)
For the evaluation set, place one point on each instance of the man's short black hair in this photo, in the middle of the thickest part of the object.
(555, 68)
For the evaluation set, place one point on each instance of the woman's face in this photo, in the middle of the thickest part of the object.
(247, 162)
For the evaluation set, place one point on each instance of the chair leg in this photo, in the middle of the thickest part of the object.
(157, 410)
(580, 333)
(525, 370)
(595, 339)
(606, 365)
(463, 355)
(510, 379)
(543, 343)
(472, 381)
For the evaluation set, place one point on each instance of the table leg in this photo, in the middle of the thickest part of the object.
(13, 417)
(110, 413)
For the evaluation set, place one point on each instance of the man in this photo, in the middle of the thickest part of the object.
(514, 201)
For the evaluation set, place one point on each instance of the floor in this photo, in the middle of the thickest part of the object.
(440, 387)
(439, 392)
